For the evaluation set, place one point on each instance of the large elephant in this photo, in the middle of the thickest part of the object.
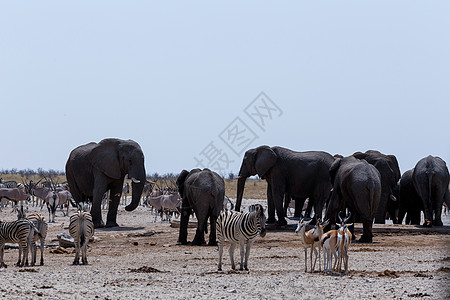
(431, 178)
(95, 168)
(409, 201)
(298, 174)
(356, 186)
(203, 191)
(389, 170)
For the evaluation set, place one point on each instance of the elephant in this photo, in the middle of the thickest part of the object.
(95, 168)
(356, 186)
(410, 203)
(431, 178)
(202, 191)
(298, 174)
(389, 170)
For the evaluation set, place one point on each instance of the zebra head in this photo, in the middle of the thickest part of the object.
(258, 211)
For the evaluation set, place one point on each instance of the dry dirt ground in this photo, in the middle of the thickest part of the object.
(129, 263)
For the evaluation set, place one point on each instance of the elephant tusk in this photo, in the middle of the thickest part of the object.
(240, 177)
(151, 182)
(135, 180)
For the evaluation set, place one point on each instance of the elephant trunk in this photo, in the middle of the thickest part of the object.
(240, 192)
(136, 195)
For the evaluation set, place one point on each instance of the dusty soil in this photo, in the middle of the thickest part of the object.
(131, 262)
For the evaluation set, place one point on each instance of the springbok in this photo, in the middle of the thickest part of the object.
(344, 238)
(311, 239)
(329, 246)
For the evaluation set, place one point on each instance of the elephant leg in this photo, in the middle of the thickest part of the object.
(212, 234)
(287, 201)
(367, 231)
(96, 210)
(299, 202)
(111, 218)
(414, 217)
(401, 215)
(199, 238)
(270, 206)
(277, 196)
(380, 215)
(437, 221)
(186, 211)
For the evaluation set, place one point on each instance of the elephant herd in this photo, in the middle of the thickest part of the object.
(367, 184)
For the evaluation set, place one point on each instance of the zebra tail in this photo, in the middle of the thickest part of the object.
(82, 238)
(81, 227)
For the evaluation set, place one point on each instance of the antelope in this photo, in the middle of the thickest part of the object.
(311, 239)
(329, 246)
(344, 238)
(15, 194)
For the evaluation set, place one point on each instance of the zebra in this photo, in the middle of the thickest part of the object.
(241, 228)
(9, 184)
(39, 232)
(81, 228)
(16, 232)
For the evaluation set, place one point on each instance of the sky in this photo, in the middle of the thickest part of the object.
(196, 83)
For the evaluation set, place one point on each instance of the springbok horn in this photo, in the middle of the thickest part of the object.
(348, 217)
(339, 216)
(135, 180)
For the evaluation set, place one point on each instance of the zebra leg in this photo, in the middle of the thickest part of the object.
(242, 250)
(84, 254)
(76, 261)
(231, 252)
(247, 253)
(42, 251)
(2, 251)
(20, 254)
(219, 266)
(33, 248)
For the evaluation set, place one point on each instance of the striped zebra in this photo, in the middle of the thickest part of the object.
(81, 228)
(9, 184)
(39, 222)
(16, 232)
(240, 228)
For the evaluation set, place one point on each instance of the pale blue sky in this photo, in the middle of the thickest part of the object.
(347, 75)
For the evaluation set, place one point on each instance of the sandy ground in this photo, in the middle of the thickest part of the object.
(127, 263)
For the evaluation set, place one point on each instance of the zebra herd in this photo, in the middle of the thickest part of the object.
(27, 230)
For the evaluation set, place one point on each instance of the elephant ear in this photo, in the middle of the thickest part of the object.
(265, 159)
(394, 166)
(334, 168)
(105, 158)
(180, 181)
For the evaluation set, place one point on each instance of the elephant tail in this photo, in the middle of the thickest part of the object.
(430, 179)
